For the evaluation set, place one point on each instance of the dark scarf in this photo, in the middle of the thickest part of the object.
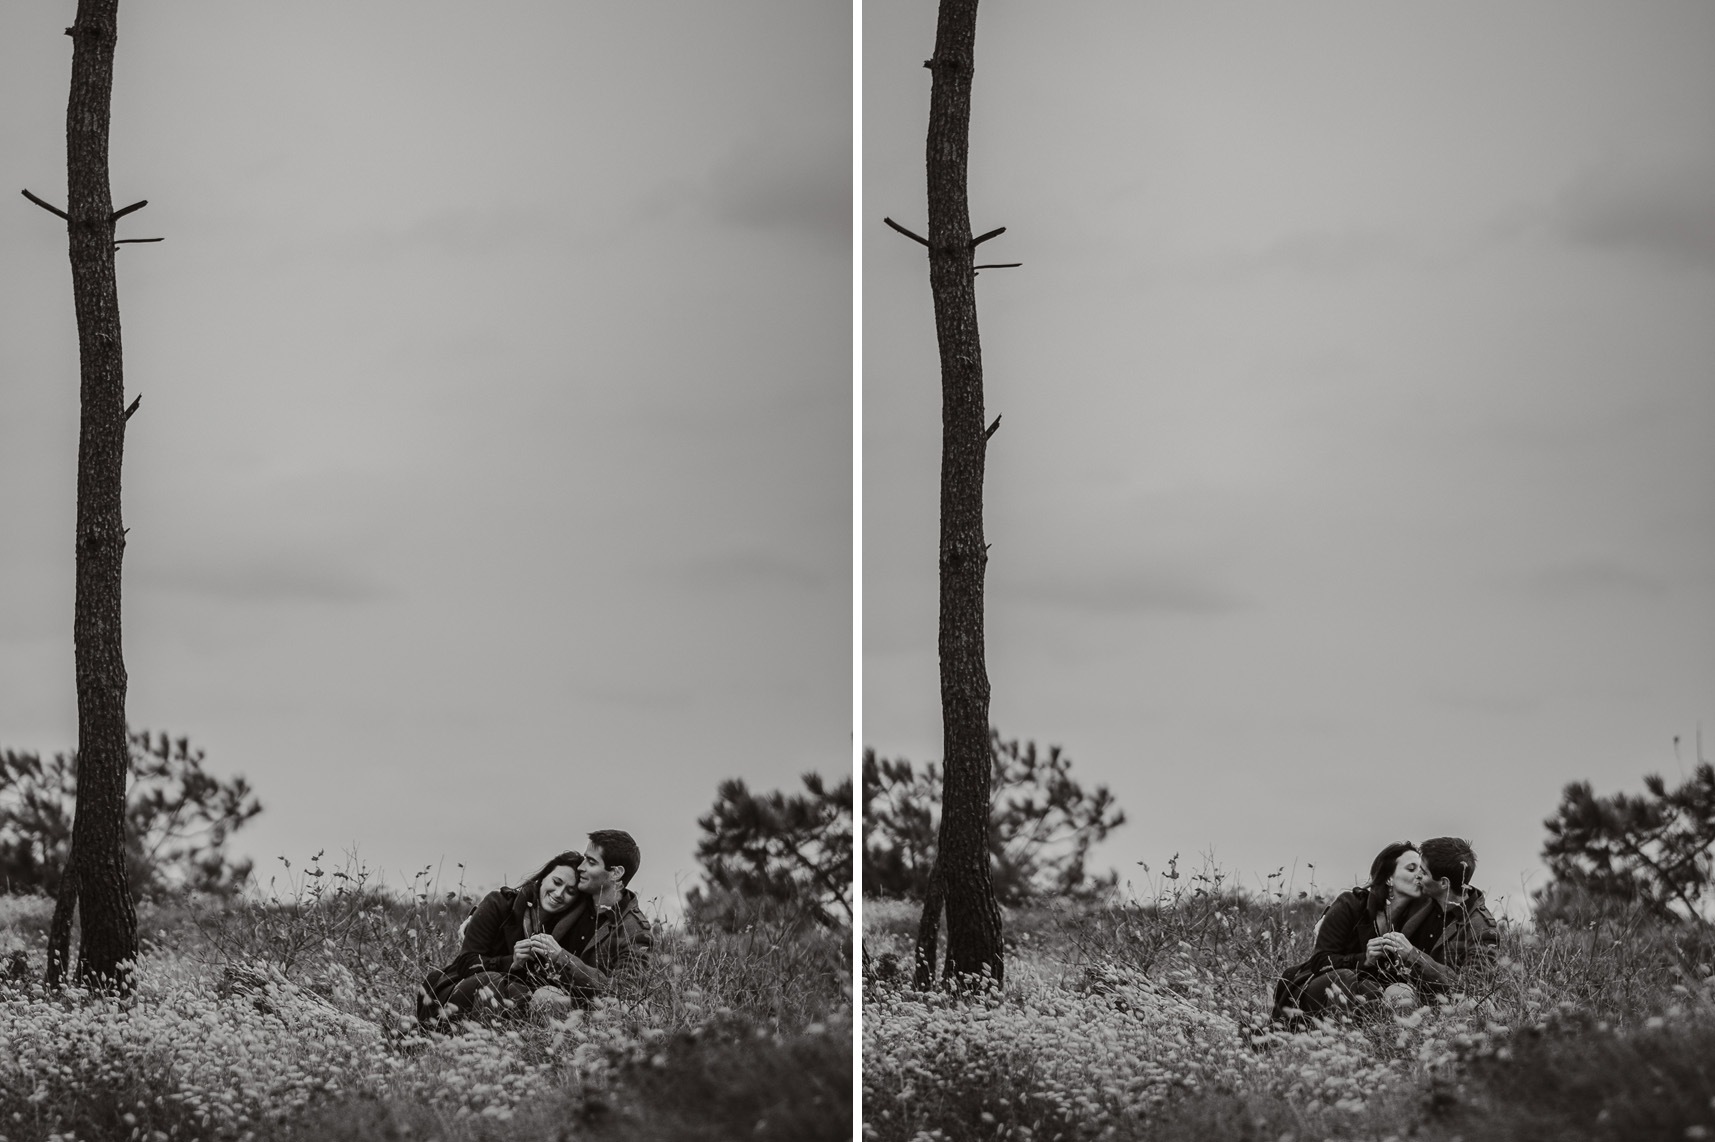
(1411, 920)
(1416, 915)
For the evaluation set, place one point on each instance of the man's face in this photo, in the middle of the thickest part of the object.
(593, 875)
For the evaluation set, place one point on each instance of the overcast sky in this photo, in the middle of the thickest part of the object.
(492, 480)
(1357, 475)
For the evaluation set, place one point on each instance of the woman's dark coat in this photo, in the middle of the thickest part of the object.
(497, 925)
(1347, 929)
(1342, 943)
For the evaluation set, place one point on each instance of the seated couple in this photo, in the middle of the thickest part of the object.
(557, 939)
(1405, 935)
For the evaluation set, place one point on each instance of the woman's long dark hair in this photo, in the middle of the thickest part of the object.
(1381, 871)
(572, 858)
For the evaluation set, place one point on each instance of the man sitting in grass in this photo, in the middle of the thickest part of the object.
(1469, 936)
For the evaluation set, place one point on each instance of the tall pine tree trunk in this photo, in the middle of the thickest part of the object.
(961, 876)
(94, 883)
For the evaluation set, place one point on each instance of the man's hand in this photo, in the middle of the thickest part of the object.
(583, 971)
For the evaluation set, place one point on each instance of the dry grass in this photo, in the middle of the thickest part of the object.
(1144, 1020)
(289, 1014)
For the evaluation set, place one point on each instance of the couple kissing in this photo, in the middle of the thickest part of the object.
(1403, 937)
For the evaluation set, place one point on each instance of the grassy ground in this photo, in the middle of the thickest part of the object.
(1146, 1021)
(289, 1016)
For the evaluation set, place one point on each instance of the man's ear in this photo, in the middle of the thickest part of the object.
(618, 872)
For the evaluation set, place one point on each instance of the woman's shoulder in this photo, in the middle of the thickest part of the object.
(500, 900)
(1341, 923)
(1356, 899)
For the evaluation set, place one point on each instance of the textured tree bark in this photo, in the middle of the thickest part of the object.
(95, 881)
(961, 876)
(929, 928)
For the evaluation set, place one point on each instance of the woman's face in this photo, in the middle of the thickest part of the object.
(557, 888)
(1408, 875)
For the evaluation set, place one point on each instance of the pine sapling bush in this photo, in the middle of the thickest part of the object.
(178, 818)
(776, 857)
(1656, 851)
(1042, 823)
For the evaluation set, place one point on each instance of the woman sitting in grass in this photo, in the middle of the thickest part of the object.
(516, 943)
(1372, 942)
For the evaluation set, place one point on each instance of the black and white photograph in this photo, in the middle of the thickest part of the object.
(817, 570)
(426, 645)
(1288, 571)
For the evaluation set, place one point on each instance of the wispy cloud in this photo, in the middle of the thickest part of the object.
(1484, 703)
(283, 578)
(1665, 211)
(772, 181)
(745, 569)
(1329, 252)
(637, 696)
(1325, 254)
(778, 180)
(465, 232)
(1605, 577)
(1127, 591)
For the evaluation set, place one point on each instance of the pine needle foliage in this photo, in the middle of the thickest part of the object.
(1656, 851)
(178, 818)
(1042, 823)
(776, 854)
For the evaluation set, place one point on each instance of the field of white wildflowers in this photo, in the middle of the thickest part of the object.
(1148, 1021)
(292, 1017)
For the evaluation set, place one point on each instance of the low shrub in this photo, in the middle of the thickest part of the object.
(733, 1079)
(1580, 1078)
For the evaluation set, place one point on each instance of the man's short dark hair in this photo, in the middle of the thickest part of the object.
(617, 847)
(1448, 858)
